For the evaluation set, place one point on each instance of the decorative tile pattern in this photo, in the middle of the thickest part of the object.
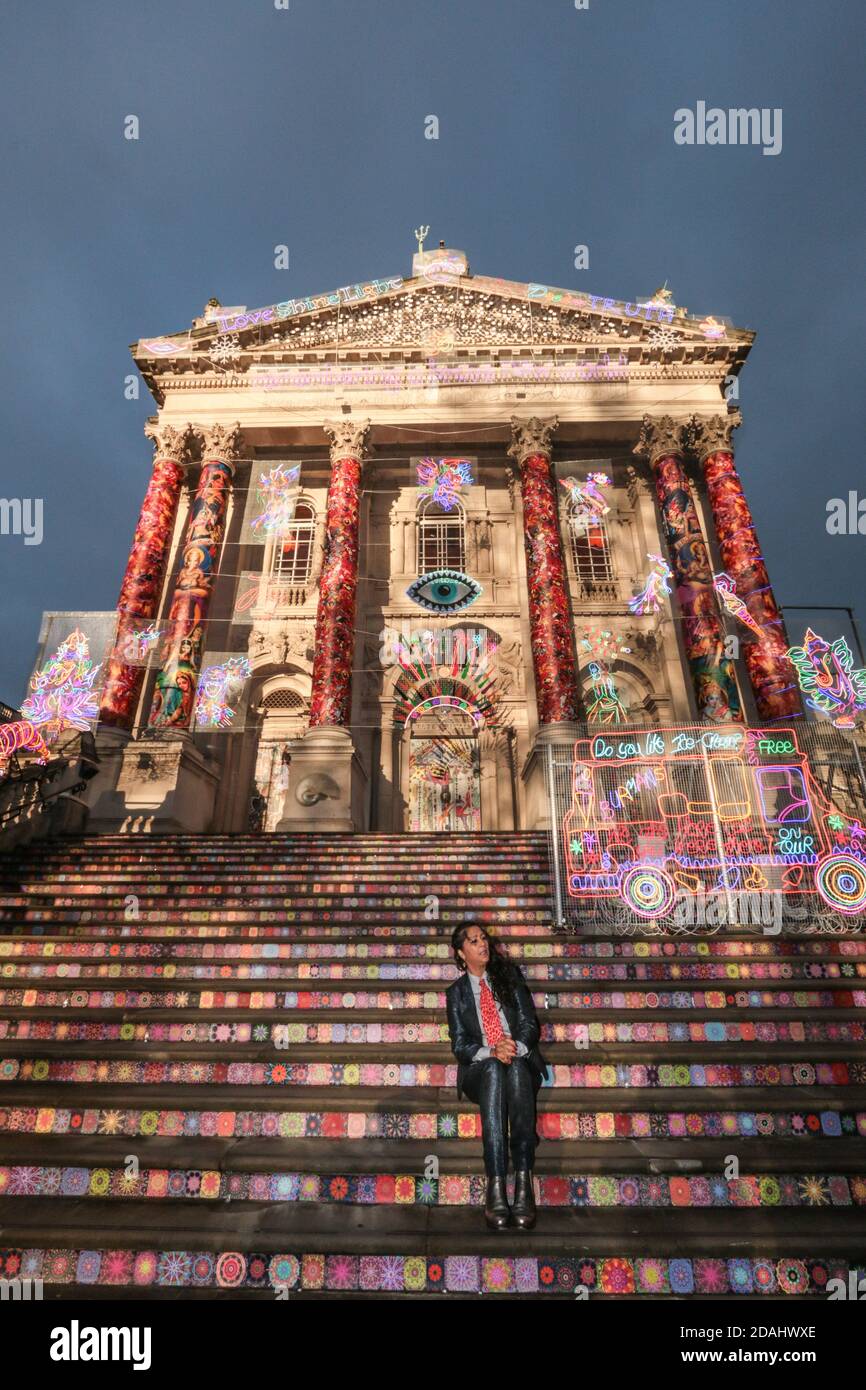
(795, 1277)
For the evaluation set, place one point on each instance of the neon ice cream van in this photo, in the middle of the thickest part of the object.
(702, 809)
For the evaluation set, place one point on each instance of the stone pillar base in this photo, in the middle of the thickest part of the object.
(534, 774)
(160, 786)
(326, 783)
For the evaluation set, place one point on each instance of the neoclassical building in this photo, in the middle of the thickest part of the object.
(581, 456)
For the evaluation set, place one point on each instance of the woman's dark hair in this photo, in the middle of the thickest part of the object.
(503, 974)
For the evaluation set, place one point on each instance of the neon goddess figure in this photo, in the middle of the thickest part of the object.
(828, 679)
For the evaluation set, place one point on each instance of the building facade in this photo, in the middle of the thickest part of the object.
(561, 465)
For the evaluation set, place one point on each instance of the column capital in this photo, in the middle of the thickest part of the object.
(712, 434)
(348, 438)
(168, 441)
(660, 436)
(532, 436)
(220, 443)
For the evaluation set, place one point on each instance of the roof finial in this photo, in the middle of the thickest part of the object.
(420, 234)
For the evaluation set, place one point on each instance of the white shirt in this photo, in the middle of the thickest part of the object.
(483, 1052)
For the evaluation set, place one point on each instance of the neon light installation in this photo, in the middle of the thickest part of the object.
(21, 736)
(443, 480)
(278, 492)
(468, 684)
(218, 687)
(724, 587)
(603, 647)
(63, 696)
(826, 674)
(588, 504)
(649, 600)
(444, 591)
(691, 810)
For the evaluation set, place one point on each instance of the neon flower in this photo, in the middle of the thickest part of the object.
(217, 687)
(278, 492)
(443, 479)
(63, 696)
(724, 587)
(21, 736)
(826, 675)
(588, 504)
(649, 600)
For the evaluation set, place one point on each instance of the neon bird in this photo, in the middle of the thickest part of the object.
(588, 504)
(826, 675)
(724, 587)
(649, 600)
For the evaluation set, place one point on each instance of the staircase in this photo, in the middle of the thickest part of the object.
(225, 1069)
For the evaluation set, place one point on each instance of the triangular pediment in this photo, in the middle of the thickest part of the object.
(443, 314)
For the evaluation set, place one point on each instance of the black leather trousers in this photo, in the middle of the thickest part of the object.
(506, 1095)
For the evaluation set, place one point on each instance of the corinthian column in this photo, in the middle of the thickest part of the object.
(771, 674)
(331, 699)
(145, 571)
(662, 444)
(174, 693)
(550, 625)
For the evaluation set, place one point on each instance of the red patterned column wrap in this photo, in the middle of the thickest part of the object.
(145, 571)
(718, 699)
(771, 674)
(175, 689)
(331, 698)
(550, 623)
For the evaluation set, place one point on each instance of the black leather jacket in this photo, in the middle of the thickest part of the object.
(465, 1030)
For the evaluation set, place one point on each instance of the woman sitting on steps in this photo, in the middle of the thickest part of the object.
(494, 1035)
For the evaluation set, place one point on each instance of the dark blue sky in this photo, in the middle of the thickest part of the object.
(306, 127)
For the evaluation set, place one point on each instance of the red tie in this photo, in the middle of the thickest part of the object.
(493, 1030)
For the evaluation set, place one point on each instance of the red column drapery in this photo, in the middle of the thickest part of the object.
(716, 693)
(174, 692)
(770, 672)
(140, 591)
(550, 624)
(331, 698)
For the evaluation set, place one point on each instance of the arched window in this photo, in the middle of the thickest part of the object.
(441, 537)
(590, 549)
(293, 551)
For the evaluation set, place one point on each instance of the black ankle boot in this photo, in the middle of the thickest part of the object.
(496, 1210)
(523, 1206)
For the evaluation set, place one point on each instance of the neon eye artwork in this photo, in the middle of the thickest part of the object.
(649, 600)
(826, 675)
(443, 479)
(63, 696)
(444, 591)
(724, 587)
(218, 685)
(278, 492)
(588, 504)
